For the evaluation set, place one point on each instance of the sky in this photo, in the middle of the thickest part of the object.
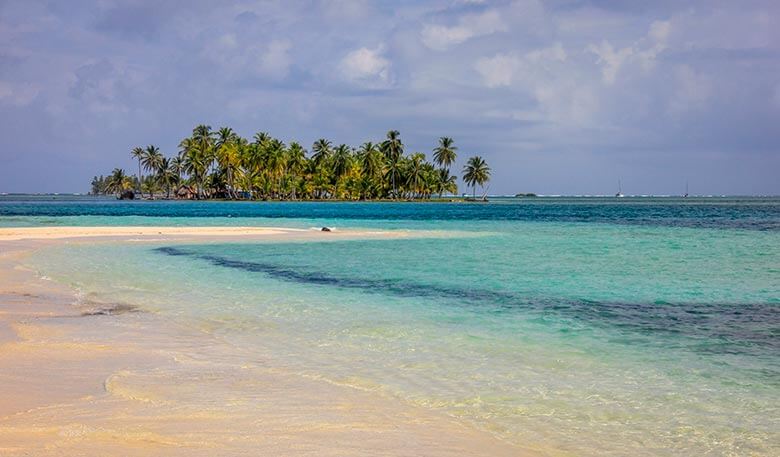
(559, 97)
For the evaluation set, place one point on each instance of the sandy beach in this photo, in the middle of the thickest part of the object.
(87, 379)
(167, 233)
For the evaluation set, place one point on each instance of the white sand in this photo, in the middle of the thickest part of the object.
(139, 384)
(38, 233)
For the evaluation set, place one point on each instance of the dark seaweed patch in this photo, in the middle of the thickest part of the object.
(722, 328)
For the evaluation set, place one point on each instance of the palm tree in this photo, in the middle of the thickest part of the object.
(445, 182)
(476, 172)
(194, 162)
(118, 182)
(177, 165)
(430, 180)
(261, 137)
(393, 149)
(152, 159)
(203, 134)
(253, 157)
(415, 174)
(276, 165)
(167, 175)
(444, 154)
(138, 153)
(227, 154)
(96, 187)
(224, 135)
(296, 164)
(204, 137)
(371, 162)
(341, 161)
(296, 158)
(321, 150)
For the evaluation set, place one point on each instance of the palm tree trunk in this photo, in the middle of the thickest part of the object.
(140, 178)
(231, 192)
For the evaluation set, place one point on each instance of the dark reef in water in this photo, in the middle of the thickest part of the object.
(721, 328)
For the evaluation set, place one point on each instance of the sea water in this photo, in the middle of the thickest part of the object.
(593, 326)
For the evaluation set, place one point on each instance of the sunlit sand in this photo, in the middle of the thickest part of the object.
(81, 380)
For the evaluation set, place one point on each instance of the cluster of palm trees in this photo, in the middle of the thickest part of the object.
(165, 174)
(116, 183)
(222, 164)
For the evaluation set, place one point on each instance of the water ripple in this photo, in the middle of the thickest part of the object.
(762, 214)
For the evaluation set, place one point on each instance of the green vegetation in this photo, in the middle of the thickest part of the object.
(222, 164)
(476, 172)
(116, 183)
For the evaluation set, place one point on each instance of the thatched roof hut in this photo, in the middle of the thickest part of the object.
(186, 193)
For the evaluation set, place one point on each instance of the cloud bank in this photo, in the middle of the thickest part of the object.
(559, 97)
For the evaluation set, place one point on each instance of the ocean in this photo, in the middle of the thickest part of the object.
(591, 326)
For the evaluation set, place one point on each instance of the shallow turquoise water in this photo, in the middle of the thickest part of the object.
(653, 334)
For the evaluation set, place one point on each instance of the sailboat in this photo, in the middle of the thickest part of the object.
(481, 200)
(620, 190)
(686, 190)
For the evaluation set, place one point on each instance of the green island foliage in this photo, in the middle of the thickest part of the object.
(220, 164)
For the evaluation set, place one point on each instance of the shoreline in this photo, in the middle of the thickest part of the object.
(172, 233)
(136, 383)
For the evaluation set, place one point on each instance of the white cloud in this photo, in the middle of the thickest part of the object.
(501, 69)
(610, 58)
(301, 60)
(440, 37)
(644, 51)
(498, 70)
(562, 95)
(366, 66)
(658, 37)
(553, 53)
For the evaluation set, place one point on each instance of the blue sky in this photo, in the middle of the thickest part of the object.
(560, 97)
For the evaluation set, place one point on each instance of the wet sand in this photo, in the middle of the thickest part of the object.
(82, 379)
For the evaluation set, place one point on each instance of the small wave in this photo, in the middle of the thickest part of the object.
(120, 308)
